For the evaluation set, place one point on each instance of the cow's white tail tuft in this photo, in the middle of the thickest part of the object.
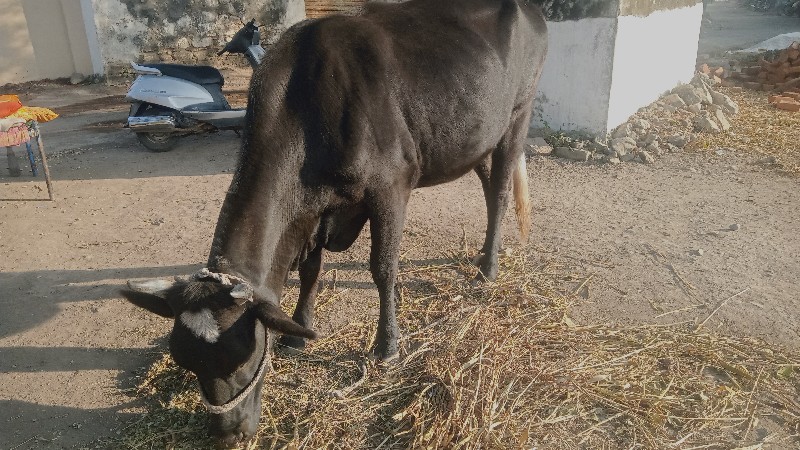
(522, 198)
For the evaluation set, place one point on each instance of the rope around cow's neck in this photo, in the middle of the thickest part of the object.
(234, 402)
(242, 291)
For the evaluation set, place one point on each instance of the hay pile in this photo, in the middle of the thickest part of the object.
(758, 128)
(502, 366)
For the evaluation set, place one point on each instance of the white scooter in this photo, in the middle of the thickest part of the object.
(172, 100)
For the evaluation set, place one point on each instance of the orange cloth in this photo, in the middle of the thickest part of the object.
(9, 104)
(36, 113)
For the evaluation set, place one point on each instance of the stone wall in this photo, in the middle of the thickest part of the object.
(184, 31)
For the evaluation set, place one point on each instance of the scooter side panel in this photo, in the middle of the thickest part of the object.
(169, 92)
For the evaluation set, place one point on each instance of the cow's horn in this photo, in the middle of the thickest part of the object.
(242, 293)
(153, 287)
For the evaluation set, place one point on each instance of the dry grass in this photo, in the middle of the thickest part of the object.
(498, 367)
(759, 127)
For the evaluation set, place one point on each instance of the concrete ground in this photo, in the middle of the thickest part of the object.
(730, 26)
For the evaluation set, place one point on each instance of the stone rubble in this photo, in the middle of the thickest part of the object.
(666, 126)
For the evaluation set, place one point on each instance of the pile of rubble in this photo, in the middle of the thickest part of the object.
(667, 125)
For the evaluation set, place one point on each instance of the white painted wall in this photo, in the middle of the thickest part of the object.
(573, 93)
(47, 39)
(652, 55)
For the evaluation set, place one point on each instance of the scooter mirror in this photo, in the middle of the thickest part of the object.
(248, 35)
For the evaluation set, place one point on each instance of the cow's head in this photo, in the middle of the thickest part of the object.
(222, 333)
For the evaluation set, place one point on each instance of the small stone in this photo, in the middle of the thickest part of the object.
(640, 124)
(578, 145)
(600, 147)
(734, 227)
(77, 78)
(627, 158)
(699, 252)
(648, 139)
(654, 149)
(720, 99)
(695, 109)
(677, 140)
(612, 160)
(623, 146)
(538, 146)
(706, 124)
(768, 160)
(646, 157)
(689, 94)
(623, 131)
(671, 108)
(674, 100)
(572, 154)
(724, 124)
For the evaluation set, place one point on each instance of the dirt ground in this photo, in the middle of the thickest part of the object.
(657, 244)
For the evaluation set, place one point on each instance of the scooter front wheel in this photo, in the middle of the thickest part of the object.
(158, 142)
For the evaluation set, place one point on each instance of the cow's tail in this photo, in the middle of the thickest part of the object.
(522, 198)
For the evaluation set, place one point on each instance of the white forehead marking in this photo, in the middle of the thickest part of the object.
(202, 324)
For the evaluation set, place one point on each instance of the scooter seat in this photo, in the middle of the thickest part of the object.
(195, 74)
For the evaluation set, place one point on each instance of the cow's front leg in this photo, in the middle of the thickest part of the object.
(387, 217)
(309, 272)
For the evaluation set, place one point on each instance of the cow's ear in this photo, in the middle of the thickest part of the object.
(150, 295)
(275, 319)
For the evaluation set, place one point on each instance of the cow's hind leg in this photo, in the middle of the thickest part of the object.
(387, 215)
(309, 272)
(505, 160)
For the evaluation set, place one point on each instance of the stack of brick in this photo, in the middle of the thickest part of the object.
(716, 74)
(780, 74)
(788, 101)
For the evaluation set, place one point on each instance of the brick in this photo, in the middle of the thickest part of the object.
(792, 95)
(775, 98)
(794, 54)
(727, 82)
(782, 57)
(792, 106)
(776, 78)
(720, 71)
(752, 70)
(752, 85)
(766, 87)
(763, 75)
(793, 71)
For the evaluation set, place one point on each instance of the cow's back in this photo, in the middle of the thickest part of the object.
(422, 86)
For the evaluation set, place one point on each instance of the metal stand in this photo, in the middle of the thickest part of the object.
(34, 127)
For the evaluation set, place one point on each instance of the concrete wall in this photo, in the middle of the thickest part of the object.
(608, 58)
(576, 82)
(184, 31)
(46, 39)
(653, 54)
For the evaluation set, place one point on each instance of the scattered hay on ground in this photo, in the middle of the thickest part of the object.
(759, 127)
(502, 366)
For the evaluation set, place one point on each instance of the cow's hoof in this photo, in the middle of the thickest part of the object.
(383, 357)
(480, 279)
(291, 345)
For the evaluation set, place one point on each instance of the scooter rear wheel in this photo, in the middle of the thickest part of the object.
(158, 142)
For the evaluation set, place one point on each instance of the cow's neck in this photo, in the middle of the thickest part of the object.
(260, 229)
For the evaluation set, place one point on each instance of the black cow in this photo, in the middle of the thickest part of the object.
(346, 116)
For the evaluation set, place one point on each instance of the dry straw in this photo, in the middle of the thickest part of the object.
(502, 366)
